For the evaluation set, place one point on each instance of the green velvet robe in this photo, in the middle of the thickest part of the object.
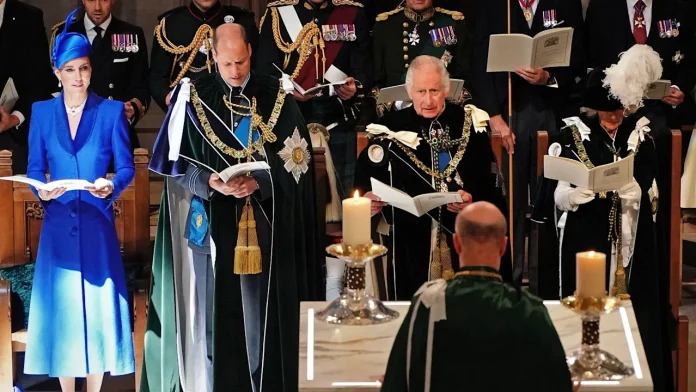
(295, 272)
(494, 338)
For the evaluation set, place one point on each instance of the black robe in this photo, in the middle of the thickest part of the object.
(255, 317)
(410, 237)
(588, 229)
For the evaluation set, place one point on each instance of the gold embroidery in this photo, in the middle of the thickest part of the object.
(416, 17)
(385, 15)
(479, 273)
(347, 2)
(279, 3)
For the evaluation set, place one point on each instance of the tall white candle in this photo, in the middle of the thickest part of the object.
(591, 274)
(356, 220)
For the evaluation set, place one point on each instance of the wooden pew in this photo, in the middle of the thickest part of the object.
(20, 224)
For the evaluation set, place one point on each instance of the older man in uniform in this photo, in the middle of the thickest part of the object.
(417, 29)
(340, 29)
(182, 43)
(119, 59)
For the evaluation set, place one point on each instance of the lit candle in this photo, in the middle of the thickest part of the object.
(356, 220)
(591, 274)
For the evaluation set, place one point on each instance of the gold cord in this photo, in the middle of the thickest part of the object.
(203, 34)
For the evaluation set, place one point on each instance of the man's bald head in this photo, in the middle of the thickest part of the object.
(480, 237)
(232, 53)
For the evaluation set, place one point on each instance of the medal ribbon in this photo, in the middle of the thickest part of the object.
(526, 4)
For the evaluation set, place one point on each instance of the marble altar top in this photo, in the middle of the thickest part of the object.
(352, 358)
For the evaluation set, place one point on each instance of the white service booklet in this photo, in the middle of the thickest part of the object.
(315, 88)
(233, 171)
(658, 90)
(70, 185)
(550, 48)
(418, 205)
(9, 96)
(399, 93)
(602, 178)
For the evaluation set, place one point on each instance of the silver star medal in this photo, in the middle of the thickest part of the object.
(229, 19)
(296, 156)
(678, 57)
(413, 37)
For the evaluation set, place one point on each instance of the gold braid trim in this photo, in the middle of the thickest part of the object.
(456, 15)
(347, 2)
(479, 273)
(452, 166)
(202, 35)
(54, 33)
(279, 3)
(142, 109)
(308, 37)
(385, 15)
(263, 18)
(265, 129)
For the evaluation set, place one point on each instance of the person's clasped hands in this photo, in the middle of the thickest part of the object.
(238, 187)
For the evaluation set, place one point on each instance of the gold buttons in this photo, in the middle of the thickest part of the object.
(405, 48)
(406, 65)
(405, 40)
(111, 85)
(405, 57)
(405, 24)
(405, 33)
(431, 24)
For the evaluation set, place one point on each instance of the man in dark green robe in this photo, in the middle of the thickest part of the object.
(225, 118)
(474, 332)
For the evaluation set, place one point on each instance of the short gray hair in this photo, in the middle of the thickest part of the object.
(423, 62)
(481, 232)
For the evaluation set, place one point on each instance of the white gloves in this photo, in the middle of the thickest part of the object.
(568, 198)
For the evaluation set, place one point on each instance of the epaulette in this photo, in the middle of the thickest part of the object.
(171, 11)
(279, 3)
(456, 15)
(348, 2)
(384, 15)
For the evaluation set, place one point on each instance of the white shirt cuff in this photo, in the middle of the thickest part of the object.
(675, 86)
(20, 116)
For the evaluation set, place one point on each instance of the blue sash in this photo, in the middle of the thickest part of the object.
(242, 132)
(444, 160)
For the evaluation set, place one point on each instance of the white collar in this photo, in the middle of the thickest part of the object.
(89, 25)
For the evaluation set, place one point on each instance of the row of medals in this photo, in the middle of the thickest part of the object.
(124, 43)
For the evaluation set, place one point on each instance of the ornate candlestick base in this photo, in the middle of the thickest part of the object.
(590, 363)
(354, 306)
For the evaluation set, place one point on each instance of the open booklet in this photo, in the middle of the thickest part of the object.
(602, 178)
(658, 90)
(315, 88)
(69, 185)
(399, 93)
(550, 48)
(233, 171)
(418, 205)
(9, 96)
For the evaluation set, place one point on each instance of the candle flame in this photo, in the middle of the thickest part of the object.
(591, 254)
(356, 195)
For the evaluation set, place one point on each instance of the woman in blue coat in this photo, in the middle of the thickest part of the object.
(79, 322)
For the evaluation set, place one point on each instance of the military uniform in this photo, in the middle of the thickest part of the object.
(401, 35)
(182, 43)
(340, 29)
(119, 65)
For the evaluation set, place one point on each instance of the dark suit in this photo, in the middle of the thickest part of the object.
(24, 47)
(534, 107)
(181, 26)
(116, 75)
(609, 33)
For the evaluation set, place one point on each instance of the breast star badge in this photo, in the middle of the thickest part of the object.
(295, 154)
(446, 58)
(678, 57)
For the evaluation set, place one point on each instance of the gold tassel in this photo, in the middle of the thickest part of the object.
(619, 289)
(441, 266)
(247, 253)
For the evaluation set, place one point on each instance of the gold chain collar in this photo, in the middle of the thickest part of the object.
(452, 166)
(416, 17)
(266, 129)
